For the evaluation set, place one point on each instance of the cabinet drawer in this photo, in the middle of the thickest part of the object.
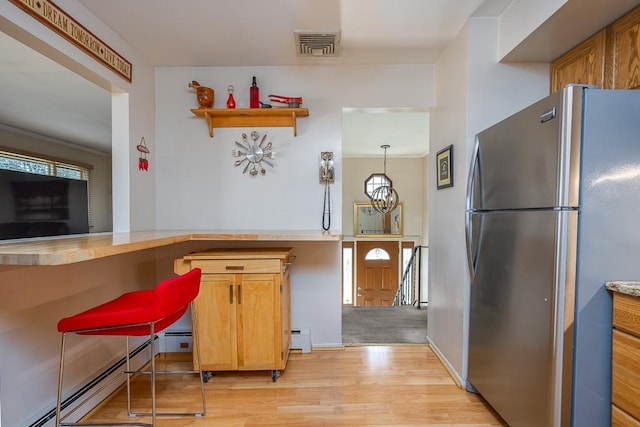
(237, 265)
(626, 313)
(625, 373)
(619, 418)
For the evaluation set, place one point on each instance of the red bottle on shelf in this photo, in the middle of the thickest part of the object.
(254, 95)
(231, 102)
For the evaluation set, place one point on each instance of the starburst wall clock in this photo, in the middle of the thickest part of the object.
(254, 155)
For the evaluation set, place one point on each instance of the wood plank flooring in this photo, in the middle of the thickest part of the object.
(379, 385)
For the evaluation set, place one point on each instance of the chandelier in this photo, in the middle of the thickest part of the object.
(379, 188)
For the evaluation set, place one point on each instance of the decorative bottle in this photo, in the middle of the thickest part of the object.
(231, 102)
(254, 94)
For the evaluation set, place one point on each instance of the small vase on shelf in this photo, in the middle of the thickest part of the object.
(231, 102)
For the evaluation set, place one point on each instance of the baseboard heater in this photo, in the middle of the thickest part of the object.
(301, 340)
(177, 341)
(87, 388)
(177, 334)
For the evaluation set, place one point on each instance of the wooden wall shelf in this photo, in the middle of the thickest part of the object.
(251, 117)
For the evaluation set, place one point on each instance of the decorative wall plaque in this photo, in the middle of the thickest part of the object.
(59, 21)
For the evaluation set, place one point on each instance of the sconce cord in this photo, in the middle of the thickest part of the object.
(326, 208)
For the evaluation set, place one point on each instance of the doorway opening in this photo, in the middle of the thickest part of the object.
(373, 311)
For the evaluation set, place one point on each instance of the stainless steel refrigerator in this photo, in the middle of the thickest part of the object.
(553, 212)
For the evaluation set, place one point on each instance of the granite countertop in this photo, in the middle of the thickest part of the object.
(625, 287)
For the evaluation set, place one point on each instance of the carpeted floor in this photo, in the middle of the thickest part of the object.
(384, 325)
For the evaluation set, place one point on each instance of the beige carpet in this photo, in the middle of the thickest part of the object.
(384, 325)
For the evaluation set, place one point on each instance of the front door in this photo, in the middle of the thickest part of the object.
(377, 273)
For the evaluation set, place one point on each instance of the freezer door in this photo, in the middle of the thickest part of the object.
(514, 360)
(529, 160)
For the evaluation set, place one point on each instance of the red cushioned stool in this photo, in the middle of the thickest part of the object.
(141, 313)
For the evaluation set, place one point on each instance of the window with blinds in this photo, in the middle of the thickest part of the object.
(33, 164)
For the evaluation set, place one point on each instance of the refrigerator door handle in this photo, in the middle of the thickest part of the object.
(473, 245)
(467, 233)
(469, 206)
(471, 179)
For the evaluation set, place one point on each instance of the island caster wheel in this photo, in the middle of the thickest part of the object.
(274, 375)
(205, 376)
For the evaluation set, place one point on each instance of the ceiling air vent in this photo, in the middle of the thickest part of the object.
(319, 44)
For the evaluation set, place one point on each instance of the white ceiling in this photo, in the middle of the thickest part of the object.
(259, 32)
(406, 132)
(46, 98)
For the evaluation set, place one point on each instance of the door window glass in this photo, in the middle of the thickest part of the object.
(376, 254)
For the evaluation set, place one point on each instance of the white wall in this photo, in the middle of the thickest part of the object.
(521, 18)
(198, 184)
(446, 233)
(473, 91)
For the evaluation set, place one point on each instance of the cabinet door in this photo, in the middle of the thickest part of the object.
(285, 309)
(258, 320)
(624, 37)
(619, 418)
(625, 393)
(584, 64)
(216, 313)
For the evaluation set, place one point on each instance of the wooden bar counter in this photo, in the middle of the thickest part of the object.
(61, 250)
(47, 278)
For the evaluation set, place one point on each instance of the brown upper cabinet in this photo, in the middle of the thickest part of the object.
(609, 59)
(624, 39)
(583, 64)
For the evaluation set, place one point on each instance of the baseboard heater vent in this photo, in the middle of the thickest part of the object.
(91, 385)
(301, 340)
(177, 341)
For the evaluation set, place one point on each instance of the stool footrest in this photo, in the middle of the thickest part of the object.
(121, 423)
(161, 372)
(166, 414)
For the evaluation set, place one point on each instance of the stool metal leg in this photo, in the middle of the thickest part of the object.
(152, 371)
(153, 374)
(128, 374)
(194, 337)
(60, 418)
(59, 401)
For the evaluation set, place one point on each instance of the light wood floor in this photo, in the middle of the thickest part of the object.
(394, 385)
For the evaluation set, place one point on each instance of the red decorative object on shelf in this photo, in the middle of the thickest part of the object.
(231, 102)
(254, 94)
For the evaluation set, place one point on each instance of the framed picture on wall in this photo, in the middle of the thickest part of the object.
(444, 168)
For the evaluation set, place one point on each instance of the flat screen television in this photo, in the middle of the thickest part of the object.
(38, 205)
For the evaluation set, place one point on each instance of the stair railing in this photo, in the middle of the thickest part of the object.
(411, 279)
